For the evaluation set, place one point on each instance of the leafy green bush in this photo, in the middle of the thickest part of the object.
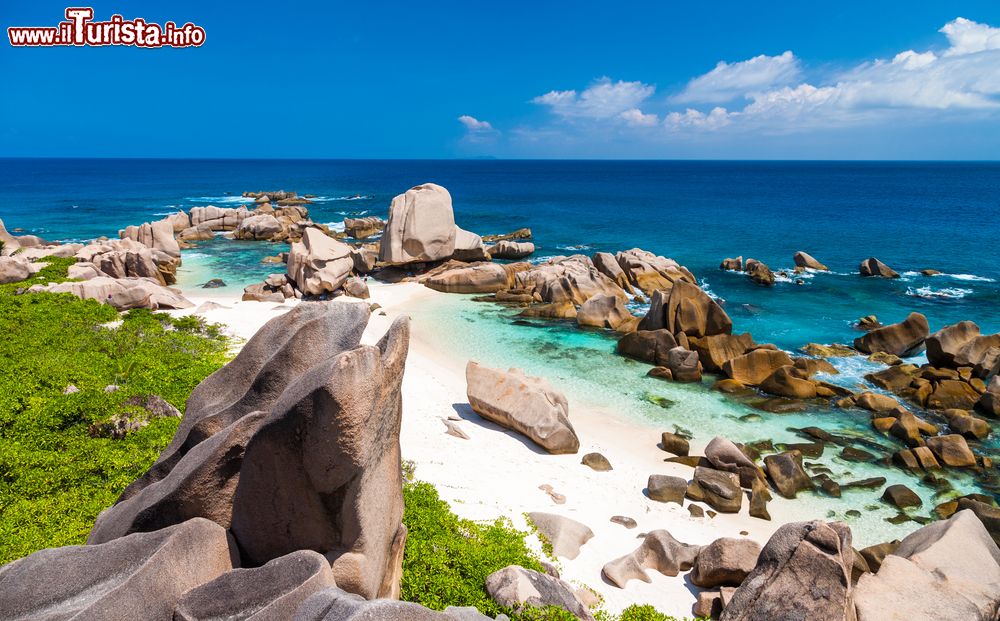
(54, 477)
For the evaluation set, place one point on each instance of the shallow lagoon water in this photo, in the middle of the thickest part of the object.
(582, 363)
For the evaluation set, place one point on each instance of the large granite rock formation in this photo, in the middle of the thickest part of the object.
(158, 235)
(218, 218)
(294, 445)
(511, 250)
(527, 405)
(141, 576)
(649, 272)
(319, 264)
(421, 226)
(804, 572)
(805, 260)
(874, 267)
(901, 339)
(945, 570)
(686, 309)
(471, 278)
(273, 591)
(567, 280)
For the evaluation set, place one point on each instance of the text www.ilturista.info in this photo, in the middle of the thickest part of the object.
(79, 29)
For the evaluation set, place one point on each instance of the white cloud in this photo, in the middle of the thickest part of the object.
(473, 124)
(730, 81)
(603, 99)
(634, 117)
(969, 37)
(691, 118)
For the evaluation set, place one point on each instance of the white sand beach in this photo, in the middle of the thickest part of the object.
(497, 472)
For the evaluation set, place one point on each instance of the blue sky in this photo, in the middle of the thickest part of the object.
(854, 80)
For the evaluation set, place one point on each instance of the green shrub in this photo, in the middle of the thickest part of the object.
(54, 477)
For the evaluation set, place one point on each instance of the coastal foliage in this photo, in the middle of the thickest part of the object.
(447, 560)
(54, 477)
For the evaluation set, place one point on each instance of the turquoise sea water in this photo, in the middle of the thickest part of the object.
(910, 215)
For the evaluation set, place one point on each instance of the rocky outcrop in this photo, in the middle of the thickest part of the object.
(754, 367)
(606, 311)
(566, 536)
(724, 455)
(527, 405)
(805, 260)
(664, 488)
(469, 247)
(457, 277)
(759, 272)
(659, 551)
(944, 345)
(272, 591)
(651, 346)
(606, 264)
(567, 280)
(335, 604)
(519, 588)
(648, 272)
(258, 227)
(421, 226)
(363, 228)
(14, 269)
(874, 267)
(121, 293)
(686, 309)
(732, 265)
(684, 365)
(791, 382)
(511, 250)
(141, 576)
(158, 235)
(275, 288)
(218, 218)
(319, 264)
(202, 232)
(989, 403)
(804, 572)
(720, 490)
(725, 562)
(786, 473)
(945, 570)
(902, 339)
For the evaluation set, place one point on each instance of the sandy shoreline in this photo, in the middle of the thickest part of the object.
(498, 473)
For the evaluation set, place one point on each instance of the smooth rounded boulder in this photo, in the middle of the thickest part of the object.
(528, 405)
(902, 339)
(421, 226)
(805, 260)
(874, 267)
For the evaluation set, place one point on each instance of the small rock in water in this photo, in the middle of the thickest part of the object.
(854, 513)
(898, 519)
(597, 461)
(885, 358)
(215, 283)
(627, 522)
(854, 454)
(901, 496)
(870, 483)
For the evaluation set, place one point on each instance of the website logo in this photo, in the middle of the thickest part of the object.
(80, 29)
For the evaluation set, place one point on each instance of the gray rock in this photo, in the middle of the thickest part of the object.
(141, 576)
(659, 551)
(663, 488)
(945, 570)
(516, 588)
(527, 405)
(273, 591)
(421, 226)
(720, 490)
(324, 471)
(565, 535)
(725, 562)
(804, 572)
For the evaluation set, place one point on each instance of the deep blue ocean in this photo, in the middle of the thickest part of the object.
(912, 216)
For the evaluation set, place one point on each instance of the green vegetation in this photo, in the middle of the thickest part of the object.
(54, 477)
(448, 558)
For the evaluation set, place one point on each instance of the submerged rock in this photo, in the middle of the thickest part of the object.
(527, 405)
